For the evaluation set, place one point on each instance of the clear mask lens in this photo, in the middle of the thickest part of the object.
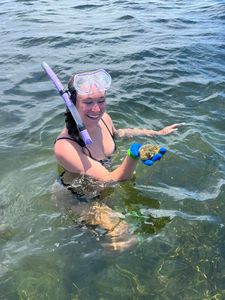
(88, 83)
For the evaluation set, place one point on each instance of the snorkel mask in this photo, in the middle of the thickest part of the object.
(87, 83)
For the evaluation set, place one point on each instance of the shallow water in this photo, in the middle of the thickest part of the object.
(166, 59)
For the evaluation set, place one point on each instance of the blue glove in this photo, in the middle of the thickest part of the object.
(133, 152)
(157, 156)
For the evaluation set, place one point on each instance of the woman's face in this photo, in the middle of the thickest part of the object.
(91, 107)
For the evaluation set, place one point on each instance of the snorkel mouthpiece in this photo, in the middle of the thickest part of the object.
(83, 131)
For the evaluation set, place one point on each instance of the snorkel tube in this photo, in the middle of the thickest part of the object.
(64, 94)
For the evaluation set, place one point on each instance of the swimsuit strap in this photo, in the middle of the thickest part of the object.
(73, 140)
(107, 128)
(65, 138)
(83, 147)
(102, 161)
(109, 132)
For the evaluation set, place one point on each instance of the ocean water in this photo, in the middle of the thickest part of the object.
(166, 59)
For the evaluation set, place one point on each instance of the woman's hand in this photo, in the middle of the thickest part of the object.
(169, 129)
(134, 153)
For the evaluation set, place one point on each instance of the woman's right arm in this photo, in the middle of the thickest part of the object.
(72, 159)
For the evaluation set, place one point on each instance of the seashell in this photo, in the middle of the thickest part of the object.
(148, 151)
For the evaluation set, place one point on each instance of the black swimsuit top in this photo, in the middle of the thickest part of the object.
(105, 161)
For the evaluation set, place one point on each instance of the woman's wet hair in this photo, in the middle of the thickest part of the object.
(69, 120)
(72, 91)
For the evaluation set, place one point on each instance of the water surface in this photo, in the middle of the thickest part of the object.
(166, 59)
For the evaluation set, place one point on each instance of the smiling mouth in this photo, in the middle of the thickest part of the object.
(93, 117)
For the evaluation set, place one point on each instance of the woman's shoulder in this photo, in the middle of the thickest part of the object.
(109, 122)
(107, 119)
(69, 154)
(63, 141)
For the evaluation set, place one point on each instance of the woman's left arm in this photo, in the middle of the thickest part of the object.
(130, 132)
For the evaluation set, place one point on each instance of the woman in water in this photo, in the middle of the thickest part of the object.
(88, 93)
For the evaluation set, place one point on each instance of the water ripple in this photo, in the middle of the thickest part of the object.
(87, 6)
(179, 193)
(159, 213)
(166, 59)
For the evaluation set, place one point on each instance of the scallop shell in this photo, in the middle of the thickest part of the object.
(148, 151)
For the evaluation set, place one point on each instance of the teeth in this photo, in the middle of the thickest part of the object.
(93, 117)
